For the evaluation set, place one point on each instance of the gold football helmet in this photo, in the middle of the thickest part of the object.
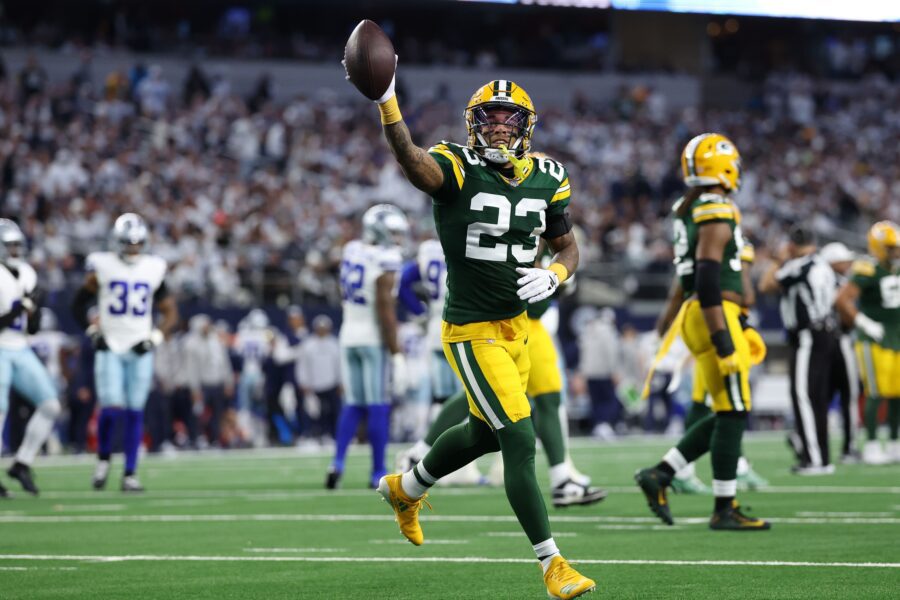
(500, 94)
(711, 159)
(883, 236)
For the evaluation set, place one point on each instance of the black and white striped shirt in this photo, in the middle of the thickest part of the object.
(808, 290)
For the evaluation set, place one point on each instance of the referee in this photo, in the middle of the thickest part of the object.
(807, 285)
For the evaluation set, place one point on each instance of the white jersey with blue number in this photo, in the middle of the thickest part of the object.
(254, 346)
(361, 265)
(125, 296)
(12, 289)
(433, 270)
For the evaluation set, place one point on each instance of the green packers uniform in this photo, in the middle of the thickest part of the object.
(731, 394)
(489, 226)
(880, 301)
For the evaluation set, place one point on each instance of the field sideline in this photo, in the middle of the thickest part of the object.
(257, 524)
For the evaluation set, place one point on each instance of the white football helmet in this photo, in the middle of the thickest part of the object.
(12, 241)
(130, 235)
(385, 225)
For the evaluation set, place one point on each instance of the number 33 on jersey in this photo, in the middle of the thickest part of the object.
(488, 226)
(125, 296)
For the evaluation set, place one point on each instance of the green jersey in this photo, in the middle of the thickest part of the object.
(707, 208)
(488, 226)
(879, 299)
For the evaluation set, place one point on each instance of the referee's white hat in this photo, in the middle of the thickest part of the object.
(836, 252)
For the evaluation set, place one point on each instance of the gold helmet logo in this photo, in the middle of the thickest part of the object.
(711, 159)
(883, 236)
(504, 98)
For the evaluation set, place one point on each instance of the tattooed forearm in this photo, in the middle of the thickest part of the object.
(419, 167)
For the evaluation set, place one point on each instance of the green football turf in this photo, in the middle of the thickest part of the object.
(258, 525)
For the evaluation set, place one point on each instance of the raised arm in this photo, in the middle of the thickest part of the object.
(419, 167)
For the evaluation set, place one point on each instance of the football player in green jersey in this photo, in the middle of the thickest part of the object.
(875, 285)
(708, 244)
(492, 202)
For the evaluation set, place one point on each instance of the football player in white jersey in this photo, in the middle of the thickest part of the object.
(20, 368)
(368, 285)
(128, 284)
(253, 344)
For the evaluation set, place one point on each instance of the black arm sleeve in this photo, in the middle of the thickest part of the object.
(7, 319)
(161, 293)
(707, 281)
(80, 306)
(557, 225)
(34, 322)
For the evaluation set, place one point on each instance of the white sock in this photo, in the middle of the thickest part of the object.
(724, 489)
(419, 449)
(545, 552)
(743, 466)
(686, 473)
(37, 431)
(559, 474)
(675, 459)
(411, 485)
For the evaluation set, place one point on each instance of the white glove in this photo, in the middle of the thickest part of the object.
(156, 337)
(536, 284)
(390, 90)
(399, 375)
(873, 329)
(28, 304)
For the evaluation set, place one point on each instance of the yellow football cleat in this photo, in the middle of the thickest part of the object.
(406, 510)
(564, 582)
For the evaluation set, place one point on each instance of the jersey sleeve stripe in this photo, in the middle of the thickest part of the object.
(723, 216)
(458, 170)
(712, 206)
(561, 196)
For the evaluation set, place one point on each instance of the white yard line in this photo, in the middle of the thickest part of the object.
(435, 559)
(427, 518)
(294, 550)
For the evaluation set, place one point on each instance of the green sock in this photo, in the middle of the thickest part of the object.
(696, 440)
(548, 427)
(697, 411)
(522, 491)
(871, 416)
(894, 417)
(725, 446)
(453, 411)
(460, 445)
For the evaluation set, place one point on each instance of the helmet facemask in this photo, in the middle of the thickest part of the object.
(491, 125)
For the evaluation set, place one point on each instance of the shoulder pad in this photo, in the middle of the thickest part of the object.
(864, 267)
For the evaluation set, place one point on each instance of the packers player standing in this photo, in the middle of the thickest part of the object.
(492, 203)
(875, 284)
(708, 245)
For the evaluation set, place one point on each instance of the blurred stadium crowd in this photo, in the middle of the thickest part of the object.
(251, 201)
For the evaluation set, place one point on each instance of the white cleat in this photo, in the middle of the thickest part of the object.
(571, 493)
(468, 475)
(131, 484)
(101, 474)
(873, 454)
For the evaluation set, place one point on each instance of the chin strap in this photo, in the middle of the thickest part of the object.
(521, 166)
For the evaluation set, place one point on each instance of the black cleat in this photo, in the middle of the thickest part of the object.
(333, 479)
(22, 473)
(4, 493)
(653, 482)
(732, 519)
(572, 493)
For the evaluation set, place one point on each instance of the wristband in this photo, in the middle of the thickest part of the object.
(723, 343)
(561, 271)
(390, 111)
